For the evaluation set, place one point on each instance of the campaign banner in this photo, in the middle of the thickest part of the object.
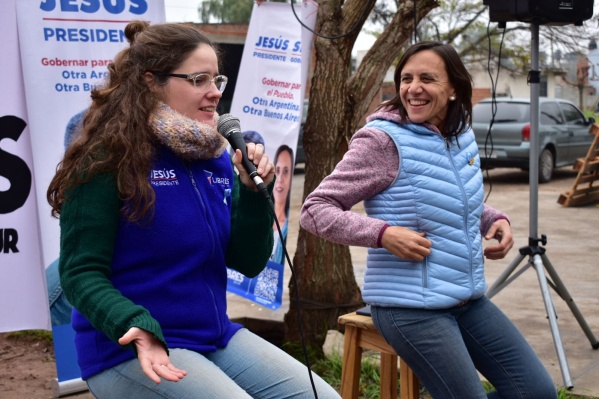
(23, 298)
(268, 101)
(265, 289)
(594, 69)
(65, 48)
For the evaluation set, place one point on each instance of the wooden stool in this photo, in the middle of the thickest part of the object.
(360, 333)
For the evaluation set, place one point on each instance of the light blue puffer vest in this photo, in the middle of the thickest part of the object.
(439, 190)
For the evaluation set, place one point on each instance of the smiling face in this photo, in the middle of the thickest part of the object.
(181, 94)
(425, 89)
(283, 170)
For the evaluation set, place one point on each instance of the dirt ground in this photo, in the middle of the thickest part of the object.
(27, 367)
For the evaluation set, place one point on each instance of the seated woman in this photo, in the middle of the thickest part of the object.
(151, 214)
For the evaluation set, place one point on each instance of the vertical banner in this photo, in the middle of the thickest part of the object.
(594, 68)
(65, 49)
(268, 100)
(23, 299)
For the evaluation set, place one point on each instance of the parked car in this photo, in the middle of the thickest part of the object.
(563, 134)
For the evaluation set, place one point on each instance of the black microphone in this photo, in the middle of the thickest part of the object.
(229, 128)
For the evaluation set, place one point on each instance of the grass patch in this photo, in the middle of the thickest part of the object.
(330, 367)
(370, 378)
(563, 393)
(33, 335)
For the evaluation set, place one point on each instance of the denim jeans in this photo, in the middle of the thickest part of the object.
(446, 347)
(60, 308)
(249, 367)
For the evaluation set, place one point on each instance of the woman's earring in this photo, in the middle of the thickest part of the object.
(452, 98)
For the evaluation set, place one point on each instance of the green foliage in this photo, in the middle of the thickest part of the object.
(296, 350)
(465, 25)
(227, 11)
(488, 387)
(31, 334)
(563, 393)
(330, 367)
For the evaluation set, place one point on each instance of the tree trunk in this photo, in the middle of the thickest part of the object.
(326, 284)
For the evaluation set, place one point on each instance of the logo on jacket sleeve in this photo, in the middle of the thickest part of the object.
(163, 177)
(471, 159)
(223, 182)
(208, 176)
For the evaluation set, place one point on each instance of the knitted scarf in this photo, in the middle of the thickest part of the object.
(188, 138)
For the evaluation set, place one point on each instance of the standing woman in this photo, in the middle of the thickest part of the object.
(416, 167)
(151, 213)
(284, 172)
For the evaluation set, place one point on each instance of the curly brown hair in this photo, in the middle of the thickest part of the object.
(116, 136)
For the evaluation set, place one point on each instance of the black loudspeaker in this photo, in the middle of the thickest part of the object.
(542, 12)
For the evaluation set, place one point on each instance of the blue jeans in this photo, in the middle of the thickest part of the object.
(446, 347)
(60, 308)
(249, 367)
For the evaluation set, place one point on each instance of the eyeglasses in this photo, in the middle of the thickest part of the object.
(201, 81)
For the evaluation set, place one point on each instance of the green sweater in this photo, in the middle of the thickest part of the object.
(89, 220)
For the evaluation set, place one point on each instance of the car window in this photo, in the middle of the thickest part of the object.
(571, 113)
(506, 112)
(550, 114)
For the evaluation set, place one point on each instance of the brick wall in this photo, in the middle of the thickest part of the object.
(478, 93)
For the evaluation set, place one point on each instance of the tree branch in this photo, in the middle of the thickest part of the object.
(369, 75)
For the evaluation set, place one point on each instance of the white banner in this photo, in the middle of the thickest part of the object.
(594, 69)
(268, 101)
(65, 49)
(274, 68)
(23, 298)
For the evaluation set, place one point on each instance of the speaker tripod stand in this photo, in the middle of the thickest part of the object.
(539, 260)
(536, 253)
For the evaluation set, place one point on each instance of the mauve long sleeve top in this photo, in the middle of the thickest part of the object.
(369, 166)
